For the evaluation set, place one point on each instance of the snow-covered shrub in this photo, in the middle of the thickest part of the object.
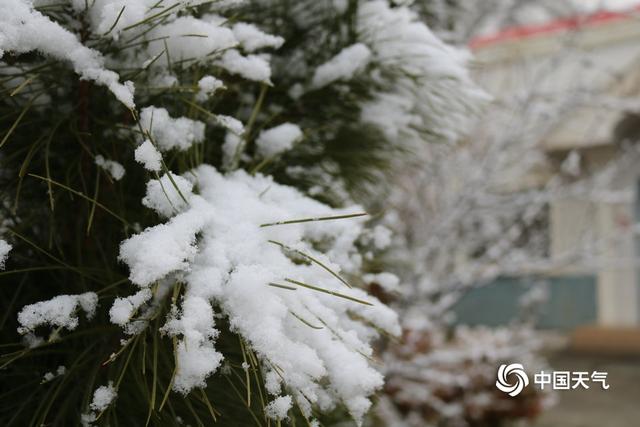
(432, 379)
(197, 174)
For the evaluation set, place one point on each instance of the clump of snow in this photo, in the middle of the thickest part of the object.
(274, 141)
(51, 375)
(103, 396)
(164, 79)
(296, 91)
(32, 341)
(5, 248)
(272, 382)
(114, 15)
(230, 123)
(169, 133)
(220, 249)
(24, 29)
(252, 39)
(251, 67)
(190, 38)
(148, 156)
(167, 197)
(232, 142)
(207, 86)
(144, 304)
(87, 419)
(278, 408)
(59, 311)
(196, 353)
(162, 249)
(388, 281)
(381, 236)
(123, 308)
(115, 169)
(394, 113)
(346, 64)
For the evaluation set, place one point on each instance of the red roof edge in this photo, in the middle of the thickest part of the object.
(560, 25)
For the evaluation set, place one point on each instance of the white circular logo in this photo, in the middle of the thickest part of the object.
(512, 389)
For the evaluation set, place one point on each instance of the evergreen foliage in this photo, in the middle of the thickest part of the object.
(66, 210)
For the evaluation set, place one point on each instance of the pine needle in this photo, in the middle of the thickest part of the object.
(84, 196)
(326, 291)
(277, 285)
(115, 22)
(17, 121)
(324, 218)
(173, 377)
(22, 85)
(246, 371)
(93, 204)
(53, 257)
(254, 114)
(304, 321)
(233, 386)
(152, 402)
(193, 412)
(152, 17)
(210, 407)
(115, 355)
(174, 341)
(312, 259)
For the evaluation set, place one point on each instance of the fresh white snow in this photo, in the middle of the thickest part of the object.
(59, 311)
(225, 255)
(115, 169)
(279, 407)
(208, 85)
(251, 38)
(24, 29)
(343, 66)
(5, 248)
(148, 156)
(277, 140)
(168, 132)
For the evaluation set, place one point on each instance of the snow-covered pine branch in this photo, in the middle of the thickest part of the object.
(226, 184)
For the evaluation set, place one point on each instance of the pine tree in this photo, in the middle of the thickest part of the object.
(256, 134)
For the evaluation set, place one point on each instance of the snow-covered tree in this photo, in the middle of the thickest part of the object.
(184, 188)
(479, 209)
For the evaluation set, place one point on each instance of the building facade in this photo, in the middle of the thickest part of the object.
(587, 70)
